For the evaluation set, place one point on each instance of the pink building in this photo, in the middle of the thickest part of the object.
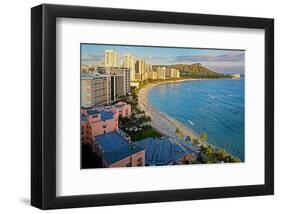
(102, 120)
(86, 135)
(99, 127)
(123, 109)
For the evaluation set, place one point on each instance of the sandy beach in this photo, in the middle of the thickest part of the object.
(160, 121)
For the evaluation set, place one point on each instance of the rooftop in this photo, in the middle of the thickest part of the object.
(92, 76)
(105, 115)
(115, 147)
(162, 151)
(92, 111)
(119, 105)
(83, 118)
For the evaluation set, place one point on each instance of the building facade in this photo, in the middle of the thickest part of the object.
(129, 62)
(152, 75)
(140, 69)
(86, 134)
(161, 72)
(99, 127)
(95, 90)
(111, 58)
(101, 120)
(172, 73)
(119, 81)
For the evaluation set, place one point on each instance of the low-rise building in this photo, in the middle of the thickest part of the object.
(135, 84)
(102, 120)
(86, 133)
(165, 151)
(116, 151)
(236, 76)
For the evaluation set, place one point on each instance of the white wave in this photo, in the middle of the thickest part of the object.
(190, 122)
(213, 97)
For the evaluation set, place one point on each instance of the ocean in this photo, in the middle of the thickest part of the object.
(215, 107)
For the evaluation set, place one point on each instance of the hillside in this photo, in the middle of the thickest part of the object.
(196, 70)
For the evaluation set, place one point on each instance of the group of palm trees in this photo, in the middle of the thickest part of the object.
(208, 153)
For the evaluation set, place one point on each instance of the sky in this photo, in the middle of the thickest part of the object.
(219, 60)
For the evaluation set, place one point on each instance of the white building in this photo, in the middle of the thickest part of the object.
(161, 72)
(111, 58)
(95, 90)
(129, 62)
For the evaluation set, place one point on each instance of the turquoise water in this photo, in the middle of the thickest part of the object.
(215, 107)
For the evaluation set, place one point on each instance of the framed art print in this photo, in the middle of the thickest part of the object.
(133, 106)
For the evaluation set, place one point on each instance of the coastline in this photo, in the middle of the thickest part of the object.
(165, 124)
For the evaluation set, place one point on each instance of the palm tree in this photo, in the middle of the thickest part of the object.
(204, 137)
(221, 154)
(177, 131)
(195, 141)
(187, 139)
(209, 151)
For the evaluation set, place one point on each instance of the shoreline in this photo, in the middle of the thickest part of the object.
(164, 123)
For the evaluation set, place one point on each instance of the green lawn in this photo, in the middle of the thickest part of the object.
(148, 132)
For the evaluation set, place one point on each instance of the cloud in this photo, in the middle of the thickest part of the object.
(228, 70)
(211, 58)
(93, 57)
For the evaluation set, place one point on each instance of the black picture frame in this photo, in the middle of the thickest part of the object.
(43, 106)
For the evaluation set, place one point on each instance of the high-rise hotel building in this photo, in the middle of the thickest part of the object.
(161, 72)
(95, 90)
(111, 58)
(140, 69)
(119, 81)
(172, 73)
(129, 62)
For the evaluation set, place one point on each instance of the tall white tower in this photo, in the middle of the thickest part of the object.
(129, 62)
(111, 58)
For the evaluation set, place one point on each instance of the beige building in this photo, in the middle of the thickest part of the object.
(172, 73)
(152, 75)
(129, 62)
(111, 58)
(148, 67)
(145, 75)
(161, 72)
